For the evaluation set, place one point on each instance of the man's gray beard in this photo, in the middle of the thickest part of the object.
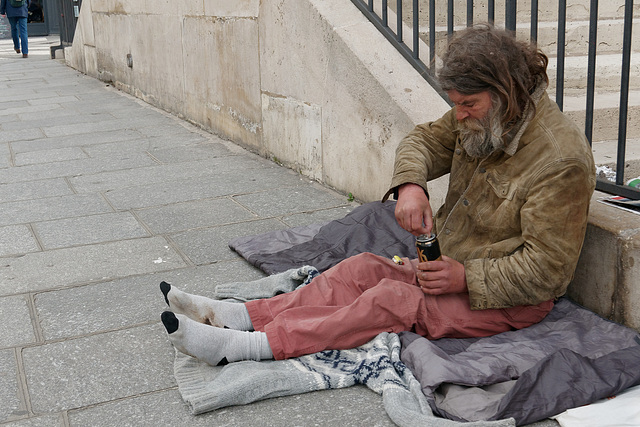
(481, 137)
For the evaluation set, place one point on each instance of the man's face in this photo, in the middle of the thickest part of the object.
(475, 106)
(479, 125)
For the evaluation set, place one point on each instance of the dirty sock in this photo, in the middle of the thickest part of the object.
(215, 346)
(206, 310)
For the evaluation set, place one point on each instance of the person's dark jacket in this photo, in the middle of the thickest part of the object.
(13, 12)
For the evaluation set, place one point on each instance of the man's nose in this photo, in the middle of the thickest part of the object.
(461, 114)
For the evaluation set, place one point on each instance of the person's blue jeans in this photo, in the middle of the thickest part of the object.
(19, 28)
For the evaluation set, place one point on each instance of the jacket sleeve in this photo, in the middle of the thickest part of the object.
(3, 7)
(425, 153)
(553, 224)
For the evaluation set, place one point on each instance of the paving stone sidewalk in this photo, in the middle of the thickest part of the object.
(101, 198)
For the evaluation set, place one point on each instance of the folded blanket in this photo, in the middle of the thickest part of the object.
(571, 358)
(371, 227)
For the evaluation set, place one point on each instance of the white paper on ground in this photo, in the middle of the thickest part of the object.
(622, 410)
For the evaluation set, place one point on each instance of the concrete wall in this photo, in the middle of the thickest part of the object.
(294, 80)
(298, 81)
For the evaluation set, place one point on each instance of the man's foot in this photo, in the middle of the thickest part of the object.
(212, 345)
(24, 55)
(17, 50)
(207, 311)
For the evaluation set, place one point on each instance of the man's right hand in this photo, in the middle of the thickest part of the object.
(413, 210)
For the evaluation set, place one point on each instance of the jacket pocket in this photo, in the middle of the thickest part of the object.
(501, 205)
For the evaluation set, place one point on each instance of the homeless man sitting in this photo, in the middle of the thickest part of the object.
(511, 227)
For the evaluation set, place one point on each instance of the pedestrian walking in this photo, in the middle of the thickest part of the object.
(17, 12)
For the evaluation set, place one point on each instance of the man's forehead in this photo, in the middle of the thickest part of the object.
(460, 98)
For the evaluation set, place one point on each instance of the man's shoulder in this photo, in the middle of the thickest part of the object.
(554, 128)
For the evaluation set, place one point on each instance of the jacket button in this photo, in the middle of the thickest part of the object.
(482, 170)
(458, 151)
(447, 231)
(465, 202)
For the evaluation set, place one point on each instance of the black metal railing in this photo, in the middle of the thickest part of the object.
(378, 13)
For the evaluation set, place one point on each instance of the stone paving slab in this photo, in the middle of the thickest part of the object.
(159, 174)
(70, 266)
(47, 156)
(90, 229)
(72, 168)
(34, 189)
(16, 319)
(43, 209)
(98, 368)
(194, 214)
(9, 393)
(17, 239)
(223, 183)
(80, 140)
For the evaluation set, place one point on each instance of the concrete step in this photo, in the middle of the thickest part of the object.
(608, 72)
(610, 37)
(577, 10)
(605, 154)
(605, 114)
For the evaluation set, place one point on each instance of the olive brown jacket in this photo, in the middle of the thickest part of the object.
(515, 219)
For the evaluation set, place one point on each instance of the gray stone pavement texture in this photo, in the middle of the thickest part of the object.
(101, 198)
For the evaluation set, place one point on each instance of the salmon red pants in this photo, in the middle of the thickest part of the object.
(351, 303)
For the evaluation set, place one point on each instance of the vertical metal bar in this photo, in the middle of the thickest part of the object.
(491, 12)
(624, 91)
(591, 68)
(385, 13)
(432, 36)
(534, 21)
(399, 20)
(416, 30)
(449, 18)
(562, 18)
(510, 15)
(371, 5)
(469, 13)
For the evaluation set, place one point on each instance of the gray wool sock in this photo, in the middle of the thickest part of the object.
(206, 310)
(215, 346)
(269, 286)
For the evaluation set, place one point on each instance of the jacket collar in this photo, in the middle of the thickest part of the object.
(516, 133)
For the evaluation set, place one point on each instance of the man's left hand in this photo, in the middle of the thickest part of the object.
(442, 277)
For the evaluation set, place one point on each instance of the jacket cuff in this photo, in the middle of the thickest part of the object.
(476, 284)
(394, 192)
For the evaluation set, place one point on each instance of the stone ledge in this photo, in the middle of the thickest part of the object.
(607, 278)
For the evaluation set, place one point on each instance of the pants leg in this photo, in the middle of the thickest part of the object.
(338, 286)
(13, 22)
(344, 307)
(24, 37)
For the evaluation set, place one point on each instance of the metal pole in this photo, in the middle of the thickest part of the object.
(624, 91)
(534, 21)
(449, 18)
(399, 20)
(591, 69)
(432, 36)
(562, 19)
(416, 30)
(510, 15)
